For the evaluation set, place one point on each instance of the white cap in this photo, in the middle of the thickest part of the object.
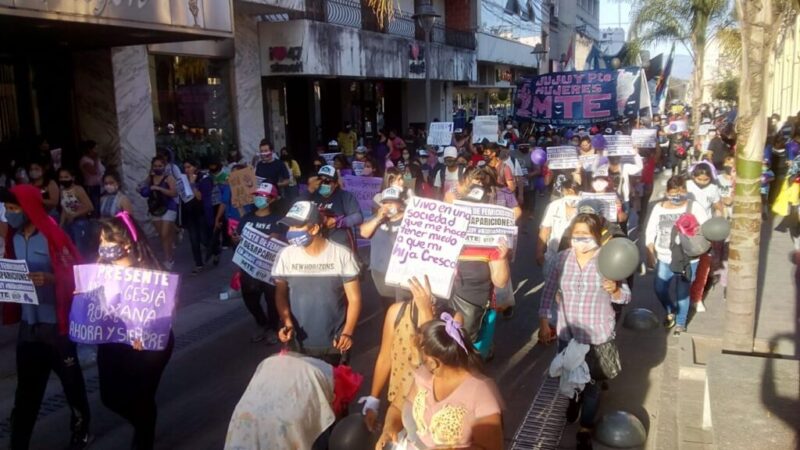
(333, 143)
(450, 152)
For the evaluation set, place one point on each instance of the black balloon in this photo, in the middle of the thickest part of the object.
(716, 229)
(618, 259)
(640, 319)
(352, 434)
(620, 429)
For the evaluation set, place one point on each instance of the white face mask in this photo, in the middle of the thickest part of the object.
(571, 200)
(583, 244)
(599, 185)
(509, 126)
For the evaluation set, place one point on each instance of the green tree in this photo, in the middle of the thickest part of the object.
(692, 23)
(762, 23)
(727, 89)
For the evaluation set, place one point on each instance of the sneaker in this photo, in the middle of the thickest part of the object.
(669, 321)
(678, 330)
(508, 313)
(79, 441)
(584, 440)
(699, 306)
(573, 410)
(259, 335)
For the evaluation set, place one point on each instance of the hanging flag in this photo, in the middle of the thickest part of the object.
(593, 59)
(568, 56)
(663, 80)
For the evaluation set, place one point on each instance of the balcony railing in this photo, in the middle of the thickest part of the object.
(356, 14)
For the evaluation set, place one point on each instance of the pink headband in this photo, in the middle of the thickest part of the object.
(126, 218)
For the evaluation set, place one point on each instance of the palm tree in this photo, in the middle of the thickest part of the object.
(693, 23)
(762, 23)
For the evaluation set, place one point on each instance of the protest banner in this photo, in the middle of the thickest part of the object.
(256, 253)
(364, 189)
(15, 286)
(243, 183)
(678, 126)
(609, 201)
(184, 188)
(440, 133)
(582, 97)
(619, 145)
(429, 241)
(116, 304)
(562, 157)
(588, 162)
(489, 225)
(329, 157)
(644, 138)
(358, 167)
(484, 127)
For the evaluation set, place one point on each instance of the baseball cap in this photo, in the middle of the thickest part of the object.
(333, 143)
(391, 194)
(422, 152)
(450, 152)
(608, 131)
(458, 130)
(361, 149)
(590, 206)
(327, 171)
(266, 190)
(301, 214)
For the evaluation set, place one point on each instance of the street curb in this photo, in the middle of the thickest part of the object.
(667, 432)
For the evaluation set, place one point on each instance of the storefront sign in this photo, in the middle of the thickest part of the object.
(416, 59)
(428, 243)
(286, 59)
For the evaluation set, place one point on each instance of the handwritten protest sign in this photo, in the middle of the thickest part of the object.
(116, 304)
(428, 243)
(184, 188)
(609, 201)
(243, 183)
(256, 253)
(364, 189)
(15, 286)
(562, 157)
(329, 157)
(489, 225)
(484, 127)
(619, 145)
(440, 133)
(358, 167)
(644, 137)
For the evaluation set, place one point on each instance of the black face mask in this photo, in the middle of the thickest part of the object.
(66, 184)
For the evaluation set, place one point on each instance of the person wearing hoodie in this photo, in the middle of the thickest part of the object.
(43, 344)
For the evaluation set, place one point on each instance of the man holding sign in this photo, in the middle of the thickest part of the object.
(320, 279)
(43, 345)
(264, 222)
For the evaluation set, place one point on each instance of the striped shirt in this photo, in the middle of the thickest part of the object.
(584, 309)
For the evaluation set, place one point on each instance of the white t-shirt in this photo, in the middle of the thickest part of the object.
(555, 218)
(660, 223)
(450, 180)
(706, 196)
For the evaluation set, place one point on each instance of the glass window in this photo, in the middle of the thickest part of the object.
(192, 107)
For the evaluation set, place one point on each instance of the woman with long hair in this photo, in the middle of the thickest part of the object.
(76, 206)
(160, 191)
(585, 311)
(40, 178)
(129, 376)
(450, 404)
(113, 200)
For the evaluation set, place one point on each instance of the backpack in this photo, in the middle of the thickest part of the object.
(686, 248)
(441, 174)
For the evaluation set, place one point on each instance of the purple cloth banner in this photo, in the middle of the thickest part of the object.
(115, 304)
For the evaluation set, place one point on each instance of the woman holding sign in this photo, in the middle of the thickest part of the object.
(43, 345)
(129, 376)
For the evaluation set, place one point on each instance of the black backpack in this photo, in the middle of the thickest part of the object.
(686, 249)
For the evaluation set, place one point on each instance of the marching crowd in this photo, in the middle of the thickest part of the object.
(428, 386)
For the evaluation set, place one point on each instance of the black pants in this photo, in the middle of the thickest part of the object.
(472, 315)
(252, 291)
(128, 383)
(199, 235)
(39, 351)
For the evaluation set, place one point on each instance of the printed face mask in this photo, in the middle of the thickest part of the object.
(300, 238)
(111, 252)
(583, 244)
(677, 199)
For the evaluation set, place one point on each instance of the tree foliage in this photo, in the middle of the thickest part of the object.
(727, 89)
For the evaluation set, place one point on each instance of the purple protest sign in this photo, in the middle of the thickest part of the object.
(115, 304)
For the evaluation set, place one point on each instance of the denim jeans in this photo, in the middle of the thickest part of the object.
(589, 397)
(80, 231)
(664, 276)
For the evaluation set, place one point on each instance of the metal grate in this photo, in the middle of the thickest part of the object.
(543, 425)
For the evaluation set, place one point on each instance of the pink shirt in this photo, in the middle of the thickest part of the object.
(447, 423)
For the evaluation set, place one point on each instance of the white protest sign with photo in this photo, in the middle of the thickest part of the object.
(440, 133)
(562, 157)
(489, 225)
(184, 188)
(429, 241)
(484, 127)
(644, 137)
(358, 167)
(619, 145)
(589, 162)
(678, 126)
(256, 253)
(15, 286)
(329, 157)
(609, 201)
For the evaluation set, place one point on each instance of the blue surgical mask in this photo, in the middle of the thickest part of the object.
(260, 202)
(325, 190)
(300, 238)
(15, 219)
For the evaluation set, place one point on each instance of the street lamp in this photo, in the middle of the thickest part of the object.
(426, 17)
